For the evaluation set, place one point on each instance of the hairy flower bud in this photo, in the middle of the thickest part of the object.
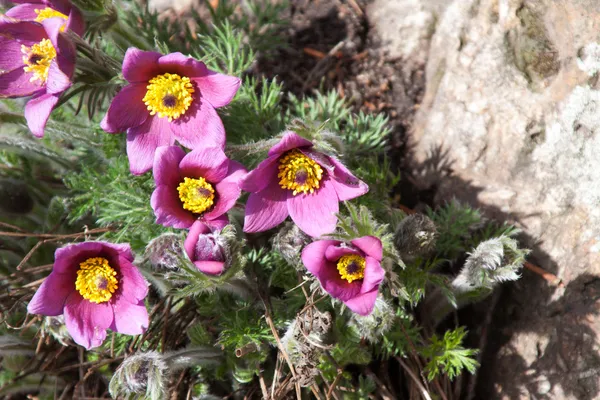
(289, 241)
(373, 326)
(55, 327)
(209, 248)
(415, 236)
(165, 251)
(142, 373)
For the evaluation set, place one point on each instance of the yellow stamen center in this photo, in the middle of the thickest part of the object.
(37, 59)
(351, 267)
(50, 13)
(96, 280)
(197, 195)
(169, 95)
(299, 173)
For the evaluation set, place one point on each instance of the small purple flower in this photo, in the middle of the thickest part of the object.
(350, 273)
(41, 10)
(169, 97)
(203, 184)
(36, 60)
(97, 288)
(206, 248)
(297, 181)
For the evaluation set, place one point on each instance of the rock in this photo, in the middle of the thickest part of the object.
(512, 104)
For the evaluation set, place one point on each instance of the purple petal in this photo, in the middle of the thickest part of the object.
(315, 213)
(130, 318)
(362, 304)
(200, 126)
(217, 88)
(140, 66)
(228, 191)
(166, 165)
(17, 83)
(210, 267)
(183, 65)
(266, 209)
(76, 22)
(258, 179)
(210, 163)
(67, 259)
(86, 321)
(37, 112)
(289, 141)
(168, 208)
(374, 275)
(313, 256)
(334, 253)
(27, 32)
(50, 298)
(132, 284)
(23, 12)
(65, 49)
(197, 229)
(217, 223)
(346, 185)
(370, 245)
(57, 81)
(118, 250)
(143, 140)
(11, 56)
(127, 109)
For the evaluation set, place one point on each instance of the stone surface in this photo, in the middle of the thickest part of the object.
(512, 106)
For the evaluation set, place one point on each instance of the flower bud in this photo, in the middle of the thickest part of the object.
(373, 326)
(143, 373)
(55, 327)
(289, 241)
(415, 236)
(209, 248)
(165, 251)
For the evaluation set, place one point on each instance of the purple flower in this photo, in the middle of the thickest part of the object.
(297, 181)
(203, 184)
(36, 60)
(41, 10)
(351, 274)
(169, 97)
(206, 248)
(97, 288)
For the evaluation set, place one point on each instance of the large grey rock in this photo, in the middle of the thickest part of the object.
(512, 99)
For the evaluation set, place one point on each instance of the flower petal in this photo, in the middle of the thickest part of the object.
(210, 163)
(289, 141)
(11, 56)
(228, 191)
(200, 126)
(86, 321)
(129, 318)
(197, 229)
(166, 165)
(23, 12)
(362, 304)
(168, 208)
(132, 284)
(27, 32)
(315, 213)
(374, 275)
(370, 245)
(265, 209)
(50, 298)
(127, 109)
(143, 140)
(17, 83)
(210, 267)
(347, 186)
(334, 253)
(67, 259)
(183, 65)
(65, 49)
(76, 23)
(258, 179)
(57, 81)
(37, 112)
(140, 66)
(217, 88)
(314, 259)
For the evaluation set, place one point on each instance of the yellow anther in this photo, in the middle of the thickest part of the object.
(351, 267)
(197, 195)
(50, 13)
(37, 59)
(96, 280)
(169, 95)
(299, 173)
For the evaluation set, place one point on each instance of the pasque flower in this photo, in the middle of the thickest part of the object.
(41, 10)
(203, 184)
(298, 181)
(36, 59)
(169, 97)
(207, 248)
(351, 272)
(96, 287)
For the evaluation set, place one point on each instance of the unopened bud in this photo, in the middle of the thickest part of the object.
(289, 242)
(415, 236)
(55, 327)
(373, 326)
(209, 248)
(165, 251)
(143, 373)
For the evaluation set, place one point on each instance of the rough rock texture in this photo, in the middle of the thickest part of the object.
(512, 109)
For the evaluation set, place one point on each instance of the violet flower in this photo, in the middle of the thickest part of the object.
(41, 10)
(96, 287)
(36, 60)
(298, 181)
(206, 248)
(350, 273)
(169, 97)
(203, 184)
